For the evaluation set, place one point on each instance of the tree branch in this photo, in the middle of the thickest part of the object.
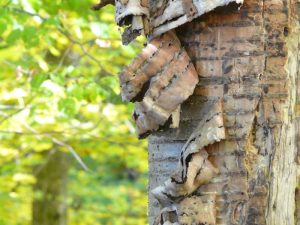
(16, 112)
(102, 4)
(64, 32)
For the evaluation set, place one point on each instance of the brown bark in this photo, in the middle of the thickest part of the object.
(249, 59)
(159, 80)
(50, 204)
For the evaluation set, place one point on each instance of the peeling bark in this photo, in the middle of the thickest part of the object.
(194, 170)
(247, 58)
(152, 17)
(178, 12)
(242, 170)
(159, 80)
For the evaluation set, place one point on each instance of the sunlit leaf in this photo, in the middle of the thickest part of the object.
(3, 26)
(14, 36)
(37, 80)
(67, 107)
(30, 36)
(76, 91)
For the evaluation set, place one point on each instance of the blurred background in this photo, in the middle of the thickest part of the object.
(68, 148)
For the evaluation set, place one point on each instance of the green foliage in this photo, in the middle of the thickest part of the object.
(59, 90)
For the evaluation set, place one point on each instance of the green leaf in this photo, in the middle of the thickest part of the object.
(3, 12)
(30, 36)
(91, 92)
(58, 78)
(37, 80)
(67, 107)
(53, 21)
(3, 27)
(13, 36)
(76, 91)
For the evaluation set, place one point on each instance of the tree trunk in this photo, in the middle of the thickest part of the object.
(249, 58)
(50, 204)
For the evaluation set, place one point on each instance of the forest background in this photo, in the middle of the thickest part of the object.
(60, 103)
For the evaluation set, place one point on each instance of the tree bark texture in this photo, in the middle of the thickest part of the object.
(50, 204)
(248, 57)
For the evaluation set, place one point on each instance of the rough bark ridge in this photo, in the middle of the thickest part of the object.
(247, 58)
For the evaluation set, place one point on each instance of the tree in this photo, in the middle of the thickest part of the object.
(50, 205)
(248, 56)
(247, 59)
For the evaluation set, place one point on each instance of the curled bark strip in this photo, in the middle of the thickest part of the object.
(164, 96)
(194, 168)
(160, 79)
(155, 17)
(126, 10)
(152, 60)
(132, 13)
(178, 12)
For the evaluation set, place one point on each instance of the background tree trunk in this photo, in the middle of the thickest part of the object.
(50, 204)
(249, 57)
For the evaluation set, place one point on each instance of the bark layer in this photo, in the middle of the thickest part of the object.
(248, 58)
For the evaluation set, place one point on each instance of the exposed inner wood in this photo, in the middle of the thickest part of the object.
(189, 213)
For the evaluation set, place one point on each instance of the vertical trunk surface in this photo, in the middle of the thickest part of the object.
(297, 115)
(50, 206)
(249, 57)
